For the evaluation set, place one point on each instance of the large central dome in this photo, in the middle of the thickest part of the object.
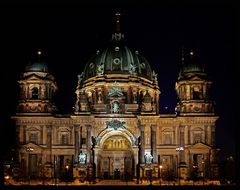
(117, 58)
(117, 80)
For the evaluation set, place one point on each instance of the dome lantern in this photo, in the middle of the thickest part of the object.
(37, 66)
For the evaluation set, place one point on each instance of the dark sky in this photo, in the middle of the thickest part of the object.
(70, 33)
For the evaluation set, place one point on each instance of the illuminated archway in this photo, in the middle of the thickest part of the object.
(116, 143)
(115, 158)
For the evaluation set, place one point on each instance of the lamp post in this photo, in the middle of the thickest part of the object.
(160, 168)
(203, 174)
(139, 141)
(94, 142)
(67, 168)
(179, 149)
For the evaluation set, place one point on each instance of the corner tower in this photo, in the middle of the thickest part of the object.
(37, 88)
(193, 89)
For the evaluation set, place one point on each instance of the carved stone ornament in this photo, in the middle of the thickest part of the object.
(100, 68)
(132, 68)
(115, 124)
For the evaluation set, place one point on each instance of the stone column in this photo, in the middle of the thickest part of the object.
(153, 143)
(24, 134)
(96, 161)
(80, 138)
(182, 152)
(209, 137)
(76, 134)
(213, 135)
(89, 143)
(182, 163)
(189, 135)
(18, 142)
(142, 143)
(49, 142)
(41, 135)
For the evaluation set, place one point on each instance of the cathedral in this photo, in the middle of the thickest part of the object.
(116, 130)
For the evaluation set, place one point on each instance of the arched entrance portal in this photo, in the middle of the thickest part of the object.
(116, 158)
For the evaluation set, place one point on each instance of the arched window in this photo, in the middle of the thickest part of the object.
(167, 138)
(197, 135)
(33, 137)
(196, 93)
(35, 93)
(64, 139)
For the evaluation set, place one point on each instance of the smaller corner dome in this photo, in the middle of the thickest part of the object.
(36, 67)
(192, 68)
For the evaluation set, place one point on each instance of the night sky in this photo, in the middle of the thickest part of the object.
(69, 34)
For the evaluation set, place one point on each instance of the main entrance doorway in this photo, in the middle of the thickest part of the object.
(116, 159)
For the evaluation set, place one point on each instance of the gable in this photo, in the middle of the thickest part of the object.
(199, 147)
(115, 91)
(31, 148)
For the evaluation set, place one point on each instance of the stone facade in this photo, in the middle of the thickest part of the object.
(116, 126)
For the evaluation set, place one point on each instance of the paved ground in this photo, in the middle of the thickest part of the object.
(113, 184)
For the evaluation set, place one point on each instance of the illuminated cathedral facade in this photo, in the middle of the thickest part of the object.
(116, 130)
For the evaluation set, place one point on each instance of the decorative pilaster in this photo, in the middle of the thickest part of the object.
(41, 135)
(80, 138)
(209, 136)
(153, 143)
(24, 134)
(182, 163)
(142, 127)
(174, 135)
(49, 142)
(182, 153)
(213, 135)
(76, 134)
(89, 143)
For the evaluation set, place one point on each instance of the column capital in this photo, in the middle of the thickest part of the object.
(48, 126)
(89, 127)
(181, 127)
(76, 126)
(141, 127)
(153, 127)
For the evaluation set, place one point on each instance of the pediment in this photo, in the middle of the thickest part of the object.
(33, 129)
(118, 94)
(31, 147)
(33, 77)
(195, 78)
(115, 91)
(199, 146)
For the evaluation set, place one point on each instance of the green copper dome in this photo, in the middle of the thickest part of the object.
(191, 65)
(37, 67)
(192, 68)
(117, 58)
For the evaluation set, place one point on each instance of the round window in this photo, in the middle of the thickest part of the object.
(91, 65)
(143, 65)
(116, 61)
